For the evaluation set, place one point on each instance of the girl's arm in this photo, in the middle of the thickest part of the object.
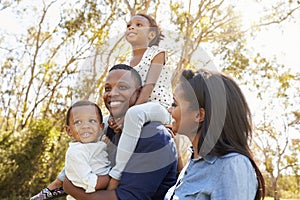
(152, 76)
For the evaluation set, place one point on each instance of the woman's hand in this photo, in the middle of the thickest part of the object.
(180, 163)
(169, 127)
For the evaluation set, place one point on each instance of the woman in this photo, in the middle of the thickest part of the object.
(211, 110)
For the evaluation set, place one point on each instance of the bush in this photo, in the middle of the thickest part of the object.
(31, 159)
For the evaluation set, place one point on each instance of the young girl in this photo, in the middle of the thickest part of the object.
(149, 60)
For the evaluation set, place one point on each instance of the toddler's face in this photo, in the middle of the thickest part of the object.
(85, 125)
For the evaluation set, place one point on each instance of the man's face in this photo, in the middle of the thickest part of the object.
(121, 92)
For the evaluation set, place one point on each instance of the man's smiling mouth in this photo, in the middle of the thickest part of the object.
(115, 103)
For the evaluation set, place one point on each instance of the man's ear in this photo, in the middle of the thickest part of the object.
(138, 91)
(68, 130)
(200, 115)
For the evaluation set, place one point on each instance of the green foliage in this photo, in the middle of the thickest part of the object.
(32, 150)
(31, 159)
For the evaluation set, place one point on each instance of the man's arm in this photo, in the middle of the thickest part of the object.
(79, 193)
(102, 182)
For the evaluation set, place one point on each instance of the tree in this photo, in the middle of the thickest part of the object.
(39, 69)
(278, 121)
(54, 63)
(37, 73)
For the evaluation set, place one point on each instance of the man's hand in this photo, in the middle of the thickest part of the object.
(69, 188)
(79, 193)
(113, 184)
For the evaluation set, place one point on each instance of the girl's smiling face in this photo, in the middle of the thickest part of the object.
(138, 31)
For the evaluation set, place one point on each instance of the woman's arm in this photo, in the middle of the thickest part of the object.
(79, 193)
(152, 76)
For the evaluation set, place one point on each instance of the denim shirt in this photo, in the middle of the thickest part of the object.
(231, 177)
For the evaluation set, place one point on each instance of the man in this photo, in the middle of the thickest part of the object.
(151, 170)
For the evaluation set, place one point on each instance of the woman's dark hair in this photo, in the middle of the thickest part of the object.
(135, 75)
(153, 27)
(227, 123)
(83, 103)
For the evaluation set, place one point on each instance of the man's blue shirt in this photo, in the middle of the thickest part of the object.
(151, 170)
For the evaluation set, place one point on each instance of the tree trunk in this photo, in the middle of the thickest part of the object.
(274, 186)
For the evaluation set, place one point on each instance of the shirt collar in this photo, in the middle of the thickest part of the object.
(208, 158)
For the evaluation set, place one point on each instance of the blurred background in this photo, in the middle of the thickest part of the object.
(54, 52)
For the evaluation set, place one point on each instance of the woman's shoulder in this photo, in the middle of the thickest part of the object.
(236, 161)
(234, 156)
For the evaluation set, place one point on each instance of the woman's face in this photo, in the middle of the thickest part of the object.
(184, 118)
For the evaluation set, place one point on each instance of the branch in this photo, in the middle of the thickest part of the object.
(281, 19)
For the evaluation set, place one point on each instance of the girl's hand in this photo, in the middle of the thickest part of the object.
(115, 124)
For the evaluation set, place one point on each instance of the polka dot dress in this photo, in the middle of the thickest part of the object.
(162, 91)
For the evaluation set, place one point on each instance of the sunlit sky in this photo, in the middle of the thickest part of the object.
(282, 42)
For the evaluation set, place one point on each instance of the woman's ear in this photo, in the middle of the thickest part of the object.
(200, 115)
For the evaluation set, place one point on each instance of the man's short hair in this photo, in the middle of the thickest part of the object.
(136, 76)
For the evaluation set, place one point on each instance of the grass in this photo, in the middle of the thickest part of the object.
(272, 198)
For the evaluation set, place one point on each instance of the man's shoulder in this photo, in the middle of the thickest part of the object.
(154, 136)
(154, 124)
(152, 128)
